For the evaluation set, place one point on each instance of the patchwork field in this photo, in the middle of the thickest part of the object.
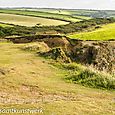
(106, 32)
(42, 14)
(28, 21)
(61, 14)
(76, 12)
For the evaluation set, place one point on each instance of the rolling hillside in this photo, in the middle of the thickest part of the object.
(106, 32)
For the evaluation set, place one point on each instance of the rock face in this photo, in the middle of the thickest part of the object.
(100, 55)
(57, 54)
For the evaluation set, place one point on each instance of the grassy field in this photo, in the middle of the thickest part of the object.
(42, 14)
(61, 14)
(76, 12)
(73, 13)
(57, 11)
(28, 20)
(26, 76)
(106, 32)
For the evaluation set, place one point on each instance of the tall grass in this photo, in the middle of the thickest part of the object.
(90, 77)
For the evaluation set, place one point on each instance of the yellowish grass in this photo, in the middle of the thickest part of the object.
(105, 33)
(28, 20)
(30, 77)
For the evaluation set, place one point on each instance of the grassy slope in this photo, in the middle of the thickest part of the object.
(105, 33)
(28, 21)
(31, 77)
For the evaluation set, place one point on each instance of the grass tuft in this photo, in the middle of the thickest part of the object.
(91, 78)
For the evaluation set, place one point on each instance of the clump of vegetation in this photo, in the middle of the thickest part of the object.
(57, 54)
(89, 77)
(6, 31)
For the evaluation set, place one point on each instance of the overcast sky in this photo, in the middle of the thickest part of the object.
(72, 4)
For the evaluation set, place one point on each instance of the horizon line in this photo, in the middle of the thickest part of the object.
(12, 7)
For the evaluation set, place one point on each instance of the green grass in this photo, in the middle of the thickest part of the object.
(75, 12)
(28, 20)
(5, 25)
(42, 14)
(90, 77)
(106, 32)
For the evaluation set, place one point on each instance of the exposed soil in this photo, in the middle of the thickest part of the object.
(99, 54)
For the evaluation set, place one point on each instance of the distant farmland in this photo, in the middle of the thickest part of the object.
(106, 32)
(28, 20)
(76, 13)
(62, 17)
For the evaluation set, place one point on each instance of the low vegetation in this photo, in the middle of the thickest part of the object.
(88, 25)
(5, 30)
(89, 77)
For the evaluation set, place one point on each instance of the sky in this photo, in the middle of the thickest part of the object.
(68, 4)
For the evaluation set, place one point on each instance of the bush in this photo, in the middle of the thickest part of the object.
(6, 31)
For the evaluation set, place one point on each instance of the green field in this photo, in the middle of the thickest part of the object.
(42, 14)
(64, 13)
(61, 14)
(106, 32)
(76, 12)
(28, 20)
(26, 77)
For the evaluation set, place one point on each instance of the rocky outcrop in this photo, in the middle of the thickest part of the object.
(57, 54)
(33, 38)
(99, 54)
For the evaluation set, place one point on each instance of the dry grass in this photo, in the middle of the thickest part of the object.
(28, 20)
(32, 78)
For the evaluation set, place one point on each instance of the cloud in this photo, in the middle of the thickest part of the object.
(76, 4)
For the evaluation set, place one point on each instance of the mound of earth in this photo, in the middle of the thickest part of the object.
(99, 54)
(57, 54)
(36, 46)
